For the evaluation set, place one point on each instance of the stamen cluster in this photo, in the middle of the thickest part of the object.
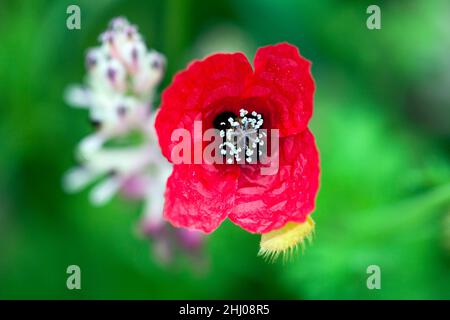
(243, 138)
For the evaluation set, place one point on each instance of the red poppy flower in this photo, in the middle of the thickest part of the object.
(279, 90)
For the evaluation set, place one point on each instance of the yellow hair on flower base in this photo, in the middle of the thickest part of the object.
(286, 239)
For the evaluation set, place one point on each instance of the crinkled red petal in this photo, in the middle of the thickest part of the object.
(266, 202)
(283, 78)
(196, 90)
(200, 197)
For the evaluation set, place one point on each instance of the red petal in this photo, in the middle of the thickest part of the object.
(200, 197)
(195, 90)
(283, 77)
(266, 202)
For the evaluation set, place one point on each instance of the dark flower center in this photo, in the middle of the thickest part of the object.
(241, 135)
(221, 121)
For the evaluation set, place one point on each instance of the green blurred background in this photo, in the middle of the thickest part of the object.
(382, 122)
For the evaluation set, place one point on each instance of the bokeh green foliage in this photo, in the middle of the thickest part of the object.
(382, 113)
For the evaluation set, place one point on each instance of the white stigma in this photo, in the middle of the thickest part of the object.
(242, 138)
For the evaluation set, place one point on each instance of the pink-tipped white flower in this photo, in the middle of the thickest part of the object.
(120, 84)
